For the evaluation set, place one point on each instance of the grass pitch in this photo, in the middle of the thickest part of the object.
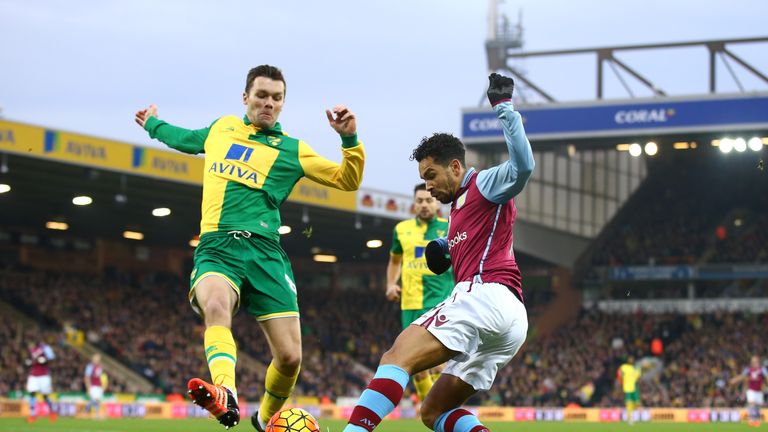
(196, 425)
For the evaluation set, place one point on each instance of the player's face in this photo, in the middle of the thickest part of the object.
(755, 361)
(264, 101)
(425, 204)
(442, 181)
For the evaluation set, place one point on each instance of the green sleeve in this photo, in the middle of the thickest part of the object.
(184, 140)
(397, 248)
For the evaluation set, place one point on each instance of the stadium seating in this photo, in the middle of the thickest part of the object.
(679, 215)
(145, 322)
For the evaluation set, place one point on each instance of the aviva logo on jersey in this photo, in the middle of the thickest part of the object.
(240, 153)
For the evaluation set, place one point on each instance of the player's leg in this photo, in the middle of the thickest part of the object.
(414, 350)
(442, 411)
(284, 339)
(217, 298)
(753, 412)
(46, 388)
(95, 395)
(214, 294)
(486, 353)
(32, 400)
(270, 296)
(629, 402)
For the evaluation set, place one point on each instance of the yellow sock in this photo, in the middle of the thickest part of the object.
(278, 389)
(422, 386)
(434, 377)
(221, 354)
(630, 410)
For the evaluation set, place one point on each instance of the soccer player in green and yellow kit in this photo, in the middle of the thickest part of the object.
(421, 289)
(251, 166)
(628, 375)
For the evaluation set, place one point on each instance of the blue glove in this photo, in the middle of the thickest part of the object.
(437, 256)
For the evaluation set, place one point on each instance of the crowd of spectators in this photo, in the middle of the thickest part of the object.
(145, 322)
(692, 208)
(67, 368)
(698, 354)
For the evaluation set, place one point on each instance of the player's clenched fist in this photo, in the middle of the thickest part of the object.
(437, 256)
(143, 115)
(393, 292)
(499, 89)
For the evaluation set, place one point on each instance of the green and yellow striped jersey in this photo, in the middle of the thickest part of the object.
(420, 287)
(629, 375)
(249, 172)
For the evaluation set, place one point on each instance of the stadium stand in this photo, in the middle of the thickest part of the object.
(693, 207)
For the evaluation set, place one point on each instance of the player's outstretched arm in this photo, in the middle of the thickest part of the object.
(349, 174)
(503, 182)
(183, 140)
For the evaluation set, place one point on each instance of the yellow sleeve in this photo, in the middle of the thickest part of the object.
(346, 176)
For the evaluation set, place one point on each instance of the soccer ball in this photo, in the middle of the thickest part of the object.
(292, 420)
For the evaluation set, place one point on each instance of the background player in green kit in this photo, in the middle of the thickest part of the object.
(421, 289)
(251, 166)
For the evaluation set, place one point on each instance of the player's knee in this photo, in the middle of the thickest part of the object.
(390, 356)
(217, 310)
(288, 362)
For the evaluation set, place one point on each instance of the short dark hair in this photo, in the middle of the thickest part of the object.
(267, 71)
(442, 147)
(418, 187)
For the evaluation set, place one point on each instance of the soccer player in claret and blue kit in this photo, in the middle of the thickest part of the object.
(756, 376)
(482, 324)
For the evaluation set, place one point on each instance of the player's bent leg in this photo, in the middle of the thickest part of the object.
(52, 416)
(415, 350)
(32, 405)
(217, 298)
(440, 411)
(284, 338)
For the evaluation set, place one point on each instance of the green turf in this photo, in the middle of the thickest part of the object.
(137, 425)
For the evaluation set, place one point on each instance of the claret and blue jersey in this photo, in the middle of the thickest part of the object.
(483, 211)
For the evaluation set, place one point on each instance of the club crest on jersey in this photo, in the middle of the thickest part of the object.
(461, 200)
(274, 141)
